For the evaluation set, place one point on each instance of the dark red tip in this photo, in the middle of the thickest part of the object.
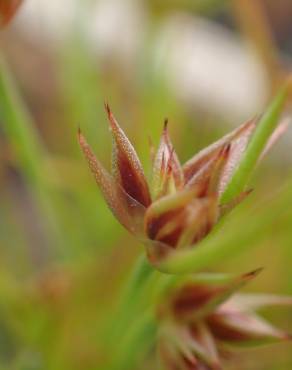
(165, 124)
(79, 134)
(224, 152)
(252, 274)
(107, 108)
(287, 336)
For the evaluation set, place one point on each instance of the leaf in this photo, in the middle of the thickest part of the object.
(219, 244)
(259, 140)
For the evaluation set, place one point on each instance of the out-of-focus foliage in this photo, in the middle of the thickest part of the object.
(63, 257)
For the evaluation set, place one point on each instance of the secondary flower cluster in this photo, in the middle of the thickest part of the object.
(202, 323)
(181, 204)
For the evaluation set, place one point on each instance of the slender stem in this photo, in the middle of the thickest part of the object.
(135, 342)
(133, 324)
(129, 299)
(30, 153)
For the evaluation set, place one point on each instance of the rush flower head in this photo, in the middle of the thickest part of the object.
(181, 204)
(7, 10)
(202, 323)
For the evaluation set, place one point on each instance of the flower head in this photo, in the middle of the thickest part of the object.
(203, 323)
(181, 204)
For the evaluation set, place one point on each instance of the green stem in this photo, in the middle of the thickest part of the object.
(135, 342)
(129, 299)
(29, 149)
(132, 328)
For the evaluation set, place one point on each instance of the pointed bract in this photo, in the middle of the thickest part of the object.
(115, 197)
(276, 135)
(204, 345)
(191, 167)
(238, 328)
(248, 302)
(127, 169)
(184, 348)
(166, 168)
(196, 300)
(237, 150)
(209, 176)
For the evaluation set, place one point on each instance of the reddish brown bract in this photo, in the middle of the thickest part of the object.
(127, 169)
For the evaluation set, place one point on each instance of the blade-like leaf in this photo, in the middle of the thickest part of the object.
(257, 143)
(216, 247)
(203, 338)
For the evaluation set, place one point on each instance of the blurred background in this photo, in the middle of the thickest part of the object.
(207, 65)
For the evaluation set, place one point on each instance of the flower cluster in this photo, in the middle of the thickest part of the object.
(181, 204)
(202, 323)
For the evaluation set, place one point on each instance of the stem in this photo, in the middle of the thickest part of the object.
(136, 341)
(129, 299)
(30, 153)
(133, 333)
